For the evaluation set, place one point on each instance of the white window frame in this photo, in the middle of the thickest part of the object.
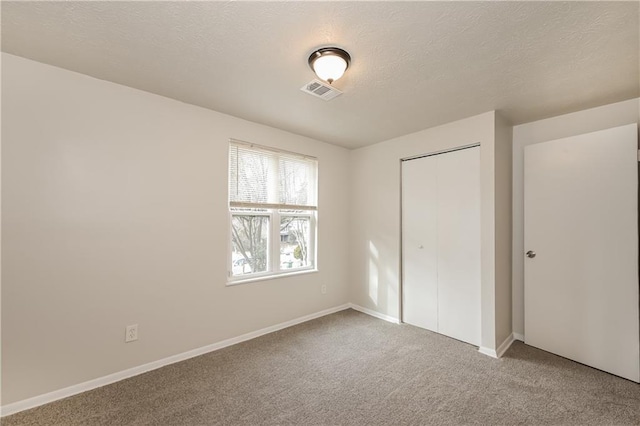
(275, 214)
(311, 215)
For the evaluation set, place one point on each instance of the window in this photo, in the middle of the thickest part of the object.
(272, 211)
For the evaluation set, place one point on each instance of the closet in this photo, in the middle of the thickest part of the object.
(441, 243)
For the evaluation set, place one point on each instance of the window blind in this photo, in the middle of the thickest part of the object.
(267, 178)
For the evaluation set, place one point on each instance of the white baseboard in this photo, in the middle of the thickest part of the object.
(497, 353)
(125, 374)
(374, 313)
(505, 345)
(489, 352)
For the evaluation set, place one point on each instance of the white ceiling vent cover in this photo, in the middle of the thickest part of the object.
(321, 90)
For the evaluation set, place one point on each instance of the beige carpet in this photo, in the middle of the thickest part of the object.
(352, 369)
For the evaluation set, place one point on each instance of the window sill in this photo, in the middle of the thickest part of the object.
(231, 283)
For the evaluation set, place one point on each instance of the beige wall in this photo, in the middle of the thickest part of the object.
(577, 123)
(375, 217)
(114, 212)
(1, 57)
(503, 201)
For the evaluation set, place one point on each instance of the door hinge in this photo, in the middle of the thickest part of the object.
(639, 155)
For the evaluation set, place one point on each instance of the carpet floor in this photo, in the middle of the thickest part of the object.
(351, 369)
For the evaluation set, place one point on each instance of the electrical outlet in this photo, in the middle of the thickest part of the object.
(131, 333)
(323, 289)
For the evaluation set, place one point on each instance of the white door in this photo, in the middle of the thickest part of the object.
(441, 243)
(420, 242)
(581, 224)
(459, 245)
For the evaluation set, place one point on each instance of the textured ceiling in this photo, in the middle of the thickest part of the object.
(415, 64)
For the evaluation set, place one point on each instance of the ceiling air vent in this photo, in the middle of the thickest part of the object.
(321, 90)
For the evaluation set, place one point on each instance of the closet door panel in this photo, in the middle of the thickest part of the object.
(458, 244)
(419, 243)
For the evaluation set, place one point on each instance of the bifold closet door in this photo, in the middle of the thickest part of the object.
(420, 242)
(441, 243)
(459, 245)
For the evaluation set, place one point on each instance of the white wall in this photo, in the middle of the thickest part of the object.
(503, 201)
(577, 123)
(114, 212)
(1, 57)
(375, 216)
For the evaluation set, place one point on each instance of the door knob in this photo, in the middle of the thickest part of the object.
(531, 254)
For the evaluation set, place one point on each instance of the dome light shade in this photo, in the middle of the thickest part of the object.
(329, 63)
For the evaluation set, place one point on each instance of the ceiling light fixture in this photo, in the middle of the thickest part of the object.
(329, 63)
